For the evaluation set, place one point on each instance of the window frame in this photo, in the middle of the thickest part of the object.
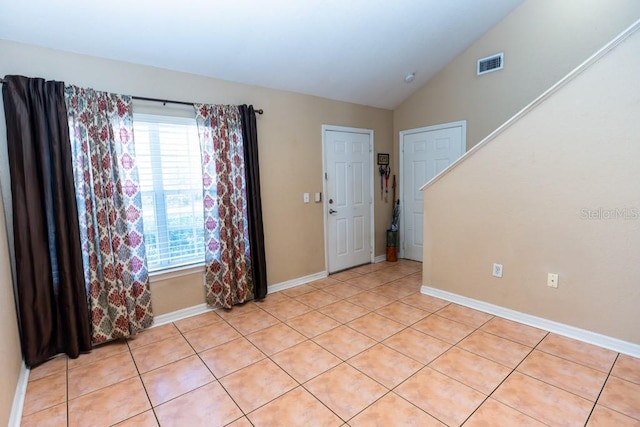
(159, 194)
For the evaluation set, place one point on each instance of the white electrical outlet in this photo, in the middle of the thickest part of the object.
(497, 270)
(552, 280)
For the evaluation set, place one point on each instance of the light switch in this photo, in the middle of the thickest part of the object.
(306, 197)
(318, 197)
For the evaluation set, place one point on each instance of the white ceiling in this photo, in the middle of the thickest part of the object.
(350, 50)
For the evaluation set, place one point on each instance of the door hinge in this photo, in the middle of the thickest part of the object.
(325, 177)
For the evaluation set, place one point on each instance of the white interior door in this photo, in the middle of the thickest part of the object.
(425, 153)
(348, 197)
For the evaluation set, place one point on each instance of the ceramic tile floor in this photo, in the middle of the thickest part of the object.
(360, 348)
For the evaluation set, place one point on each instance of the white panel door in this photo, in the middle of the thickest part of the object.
(348, 198)
(425, 153)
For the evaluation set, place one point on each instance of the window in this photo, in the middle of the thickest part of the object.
(168, 156)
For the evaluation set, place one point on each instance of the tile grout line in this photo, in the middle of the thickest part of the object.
(500, 383)
(67, 371)
(311, 339)
(509, 339)
(551, 385)
(144, 387)
(573, 360)
(389, 390)
(47, 376)
(454, 379)
(269, 357)
(411, 403)
(608, 374)
(341, 362)
(301, 385)
(557, 387)
(348, 364)
(595, 402)
(175, 361)
(514, 369)
(244, 414)
(102, 388)
(209, 369)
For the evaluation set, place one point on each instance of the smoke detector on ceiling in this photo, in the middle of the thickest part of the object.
(491, 63)
(409, 77)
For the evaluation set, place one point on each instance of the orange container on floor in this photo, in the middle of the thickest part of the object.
(392, 243)
(392, 254)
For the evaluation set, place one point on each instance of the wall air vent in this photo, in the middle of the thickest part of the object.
(490, 63)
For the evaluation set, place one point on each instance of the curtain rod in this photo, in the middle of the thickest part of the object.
(164, 101)
(167, 101)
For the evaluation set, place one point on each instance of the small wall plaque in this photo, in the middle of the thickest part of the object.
(383, 159)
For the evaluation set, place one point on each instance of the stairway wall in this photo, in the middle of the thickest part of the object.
(558, 191)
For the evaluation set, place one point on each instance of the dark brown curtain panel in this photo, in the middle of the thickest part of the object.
(254, 202)
(51, 297)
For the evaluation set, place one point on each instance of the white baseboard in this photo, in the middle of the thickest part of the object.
(174, 316)
(379, 258)
(594, 338)
(297, 282)
(18, 398)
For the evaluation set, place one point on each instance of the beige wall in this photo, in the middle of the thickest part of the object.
(10, 353)
(542, 41)
(521, 201)
(290, 140)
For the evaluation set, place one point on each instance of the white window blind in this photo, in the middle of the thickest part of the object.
(168, 158)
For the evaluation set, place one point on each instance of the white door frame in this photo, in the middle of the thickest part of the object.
(325, 211)
(461, 124)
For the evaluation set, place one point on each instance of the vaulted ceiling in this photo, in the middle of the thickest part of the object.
(351, 50)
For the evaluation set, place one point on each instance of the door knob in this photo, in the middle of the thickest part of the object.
(331, 211)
